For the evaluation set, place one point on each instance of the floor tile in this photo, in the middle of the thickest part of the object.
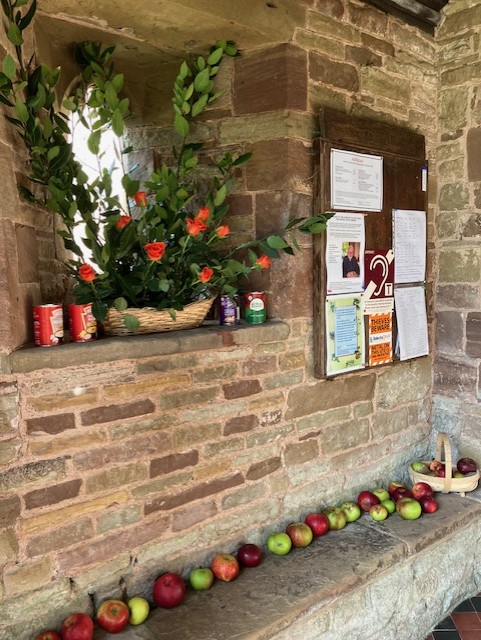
(465, 606)
(473, 634)
(466, 621)
(446, 635)
(476, 601)
(446, 624)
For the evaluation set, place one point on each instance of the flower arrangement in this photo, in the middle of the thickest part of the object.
(170, 245)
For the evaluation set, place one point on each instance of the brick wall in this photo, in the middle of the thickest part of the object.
(458, 335)
(124, 459)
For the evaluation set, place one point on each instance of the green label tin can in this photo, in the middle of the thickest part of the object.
(255, 307)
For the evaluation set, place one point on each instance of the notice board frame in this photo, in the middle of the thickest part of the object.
(404, 158)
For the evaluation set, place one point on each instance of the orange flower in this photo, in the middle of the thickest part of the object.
(122, 222)
(223, 230)
(195, 226)
(264, 261)
(206, 274)
(155, 250)
(87, 273)
(140, 199)
(203, 214)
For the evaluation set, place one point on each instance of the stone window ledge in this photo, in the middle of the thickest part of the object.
(111, 349)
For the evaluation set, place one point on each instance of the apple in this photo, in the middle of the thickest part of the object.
(382, 494)
(434, 465)
(318, 522)
(139, 610)
(419, 467)
(201, 579)
(49, 635)
(300, 534)
(249, 555)
(408, 508)
(458, 474)
(378, 512)
(389, 505)
(337, 518)
(279, 543)
(225, 567)
(440, 472)
(401, 492)
(169, 590)
(428, 504)
(113, 616)
(421, 489)
(393, 486)
(352, 511)
(366, 499)
(78, 626)
(466, 465)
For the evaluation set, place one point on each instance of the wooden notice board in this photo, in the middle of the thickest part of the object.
(403, 160)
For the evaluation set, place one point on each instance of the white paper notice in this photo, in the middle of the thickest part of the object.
(356, 181)
(345, 253)
(412, 322)
(409, 230)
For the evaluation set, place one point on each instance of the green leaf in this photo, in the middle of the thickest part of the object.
(117, 123)
(181, 125)
(118, 82)
(220, 196)
(242, 159)
(318, 227)
(53, 152)
(99, 309)
(14, 34)
(215, 56)
(201, 81)
(131, 322)
(131, 186)
(276, 242)
(9, 67)
(121, 304)
(200, 105)
(93, 142)
(184, 71)
(27, 18)
(154, 285)
(21, 110)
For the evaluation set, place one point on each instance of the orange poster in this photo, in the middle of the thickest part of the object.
(380, 339)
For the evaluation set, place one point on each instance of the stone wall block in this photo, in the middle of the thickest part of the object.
(265, 174)
(336, 74)
(459, 265)
(455, 379)
(449, 331)
(473, 335)
(404, 382)
(52, 495)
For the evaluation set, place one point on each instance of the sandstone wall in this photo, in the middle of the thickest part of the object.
(458, 301)
(124, 459)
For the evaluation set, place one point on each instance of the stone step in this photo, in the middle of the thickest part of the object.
(262, 603)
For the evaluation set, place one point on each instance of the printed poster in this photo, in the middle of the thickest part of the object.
(356, 181)
(378, 296)
(409, 231)
(412, 322)
(344, 334)
(380, 339)
(345, 241)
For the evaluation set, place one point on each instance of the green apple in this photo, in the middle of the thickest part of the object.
(457, 474)
(352, 511)
(201, 579)
(419, 467)
(279, 543)
(139, 610)
(389, 505)
(382, 494)
(337, 518)
(408, 508)
(378, 512)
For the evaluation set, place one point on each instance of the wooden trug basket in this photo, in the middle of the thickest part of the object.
(447, 484)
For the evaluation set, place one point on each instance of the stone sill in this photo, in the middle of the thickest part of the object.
(111, 349)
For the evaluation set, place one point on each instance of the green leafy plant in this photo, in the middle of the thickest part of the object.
(170, 244)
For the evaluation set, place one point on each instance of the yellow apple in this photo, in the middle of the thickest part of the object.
(139, 610)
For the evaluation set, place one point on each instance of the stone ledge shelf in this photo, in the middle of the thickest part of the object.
(209, 336)
(371, 581)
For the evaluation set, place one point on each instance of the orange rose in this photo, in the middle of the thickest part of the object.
(203, 214)
(122, 222)
(195, 226)
(206, 274)
(155, 250)
(223, 231)
(264, 261)
(140, 199)
(87, 273)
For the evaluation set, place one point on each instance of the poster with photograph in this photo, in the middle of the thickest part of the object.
(356, 181)
(380, 339)
(344, 334)
(345, 242)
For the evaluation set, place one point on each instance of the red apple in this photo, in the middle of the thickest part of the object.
(300, 534)
(440, 471)
(49, 635)
(401, 492)
(393, 486)
(408, 508)
(113, 615)
(225, 567)
(466, 465)
(421, 489)
(428, 504)
(318, 522)
(169, 590)
(249, 555)
(434, 465)
(77, 626)
(366, 500)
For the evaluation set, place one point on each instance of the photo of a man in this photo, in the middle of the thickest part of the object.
(350, 262)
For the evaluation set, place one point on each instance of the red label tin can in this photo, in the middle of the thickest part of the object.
(48, 324)
(255, 307)
(83, 325)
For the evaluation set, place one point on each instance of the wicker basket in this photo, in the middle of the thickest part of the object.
(447, 484)
(154, 321)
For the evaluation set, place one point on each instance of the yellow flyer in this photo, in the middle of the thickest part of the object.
(380, 339)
